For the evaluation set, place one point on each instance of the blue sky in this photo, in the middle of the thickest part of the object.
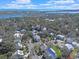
(40, 4)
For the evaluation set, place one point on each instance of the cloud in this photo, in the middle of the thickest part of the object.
(11, 6)
(30, 6)
(24, 1)
(19, 6)
(74, 6)
(60, 4)
(21, 1)
(61, 1)
(46, 4)
(51, 4)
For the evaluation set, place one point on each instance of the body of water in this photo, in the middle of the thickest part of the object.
(33, 12)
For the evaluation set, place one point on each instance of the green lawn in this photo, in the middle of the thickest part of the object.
(57, 50)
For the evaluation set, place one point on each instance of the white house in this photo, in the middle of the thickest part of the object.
(44, 29)
(18, 35)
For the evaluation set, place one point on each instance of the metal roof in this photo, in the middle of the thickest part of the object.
(51, 52)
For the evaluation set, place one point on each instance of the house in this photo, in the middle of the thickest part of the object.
(17, 41)
(18, 55)
(74, 44)
(42, 33)
(57, 51)
(69, 40)
(67, 50)
(44, 29)
(50, 20)
(60, 37)
(1, 40)
(50, 54)
(78, 45)
(18, 46)
(69, 57)
(18, 35)
(37, 27)
(52, 34)
(77, 56)
(53, 53)
(34, 32)
(69, 47)
(26, 55)
(23, 31)
(36, 38)
(43, 47)
(60, 44)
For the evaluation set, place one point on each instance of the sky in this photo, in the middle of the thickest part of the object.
(40, 4)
